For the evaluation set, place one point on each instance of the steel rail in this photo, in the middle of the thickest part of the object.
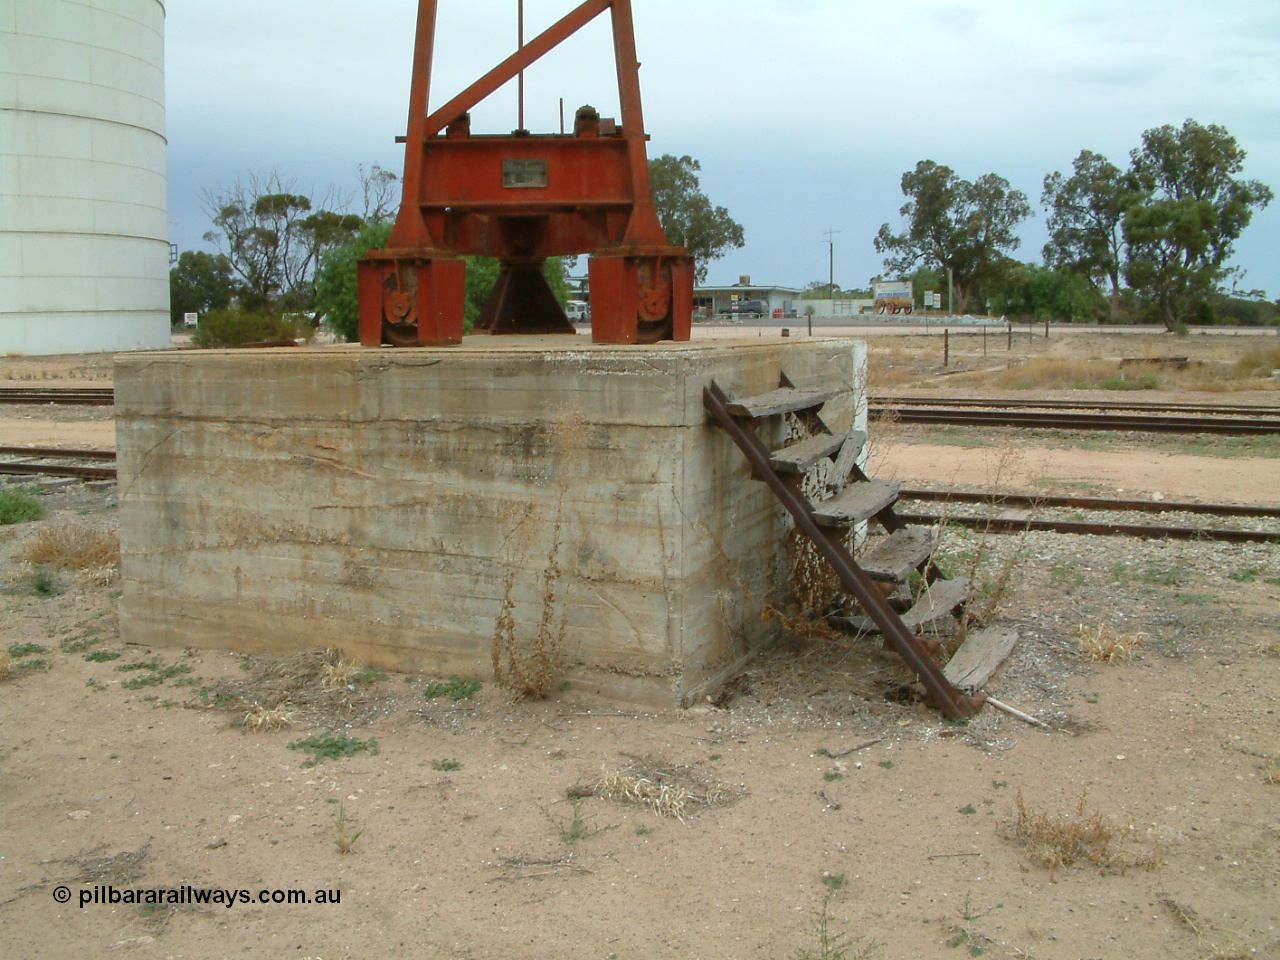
(57, 453)
(1080, 421)
(1010, 403)
(1089, 503)
(58, 470)
(84, 396)
(28, 468)
(1145, 531)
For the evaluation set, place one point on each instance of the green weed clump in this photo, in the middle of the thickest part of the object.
(232, 327)
(19, 506)
(26, 649)
(832, 945)
(156, 673)
(453, 688)
(333, 746)
(575, 828)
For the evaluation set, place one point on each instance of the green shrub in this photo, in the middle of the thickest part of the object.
(332, 746)
(454, 689)
(230, 327)
(44, 585)
(19, 506)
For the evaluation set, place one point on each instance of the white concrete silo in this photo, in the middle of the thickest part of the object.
(83, 209)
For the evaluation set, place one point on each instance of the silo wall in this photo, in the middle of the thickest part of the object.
(83, 211)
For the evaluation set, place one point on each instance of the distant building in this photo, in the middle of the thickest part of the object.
(84, 233)
(713, 302)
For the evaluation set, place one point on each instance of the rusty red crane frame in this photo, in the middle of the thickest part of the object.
(523, 198)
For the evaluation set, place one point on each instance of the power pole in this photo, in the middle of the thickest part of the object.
(520, 42)
(831, 264)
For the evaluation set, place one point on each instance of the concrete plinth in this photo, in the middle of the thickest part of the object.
(413, 507)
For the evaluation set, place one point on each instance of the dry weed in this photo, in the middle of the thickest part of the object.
(1049, 373)
(1271, 772)
(120, 869)
(1104, 644)
(531, 666)
(4, 666)
(341, 673)
(1202, 928)
(276, 718)
(666, 789)
(803, 626)
(294, 683)
(987, 594)
(1085, 836)
(1257, 364)
(74, 546)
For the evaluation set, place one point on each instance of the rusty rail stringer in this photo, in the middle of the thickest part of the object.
(912, 648)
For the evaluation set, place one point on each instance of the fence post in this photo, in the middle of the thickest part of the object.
(946, 347)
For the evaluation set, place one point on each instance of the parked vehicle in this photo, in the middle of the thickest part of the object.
(578, 311)
(746, 308)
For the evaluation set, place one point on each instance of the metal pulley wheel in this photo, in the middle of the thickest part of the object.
(654, 321)
(399, 312)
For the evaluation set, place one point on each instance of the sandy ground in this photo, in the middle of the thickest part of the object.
(466, 842)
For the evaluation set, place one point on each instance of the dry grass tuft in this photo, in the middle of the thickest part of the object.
(1053, 373)
(666, 789)
(4, 666)
(1271, 772)
(1085, 836)
(276, 718)
(295, 684)
(1257, 364)
(1104, 644)
(340, 673)
(801, 627)
(75, 546)
(1202, 928)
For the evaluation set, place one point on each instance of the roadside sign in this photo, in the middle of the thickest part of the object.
(191, 319)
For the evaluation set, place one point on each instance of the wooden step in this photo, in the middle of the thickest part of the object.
(799, 457)
(855, 503)
(896, 555)
(979, 657)
(938, 600)
(848, 457)
(785, 400)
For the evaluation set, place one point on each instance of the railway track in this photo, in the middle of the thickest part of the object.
(1066, 420)
(1119, 415)
(83, 396)
(1015, 513)
(51, 462)
(1109, 405)
(1012, 513)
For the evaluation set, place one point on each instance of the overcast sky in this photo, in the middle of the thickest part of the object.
(804, 113)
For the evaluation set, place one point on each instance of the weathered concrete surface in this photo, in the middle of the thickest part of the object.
(386, 502)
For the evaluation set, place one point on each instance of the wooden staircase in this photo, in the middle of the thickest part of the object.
(853, 498)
